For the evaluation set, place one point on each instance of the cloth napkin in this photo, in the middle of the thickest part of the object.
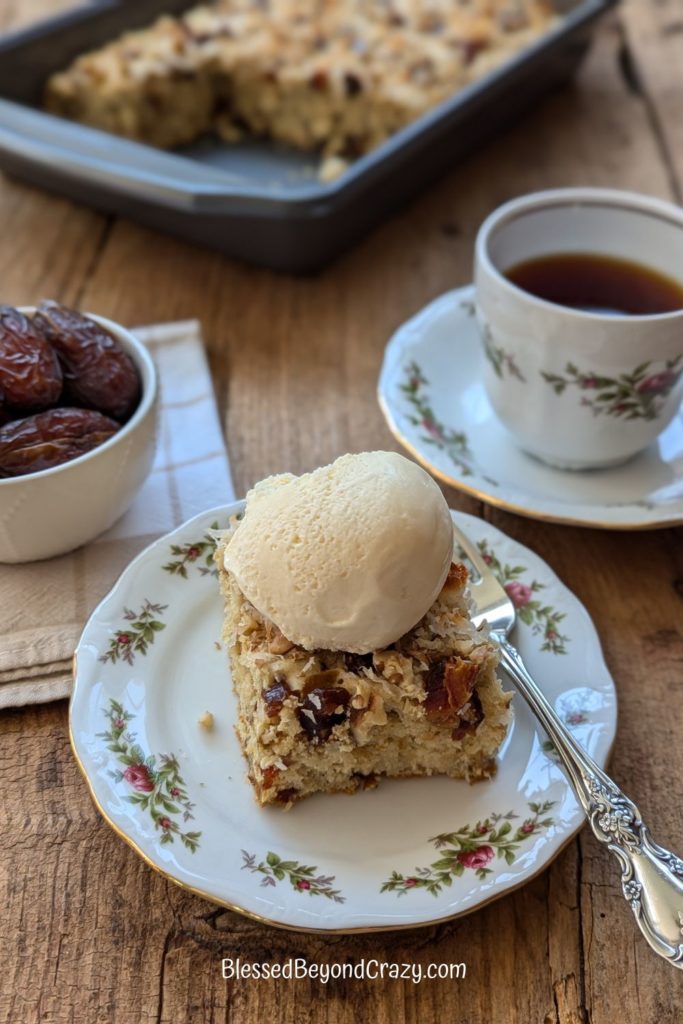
(44, 605)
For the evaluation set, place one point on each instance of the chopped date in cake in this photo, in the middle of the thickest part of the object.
(471, 716)
(352, 84)
(449, 685)
(321, 711)
(275, 697)
(357, 662)
(285, 796)
(471, 48)
(269, 776)
(366, 780)
(319, 81)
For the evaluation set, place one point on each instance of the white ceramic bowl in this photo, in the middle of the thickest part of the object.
(56, 510)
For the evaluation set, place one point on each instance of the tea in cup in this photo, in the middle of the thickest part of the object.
(579, 300)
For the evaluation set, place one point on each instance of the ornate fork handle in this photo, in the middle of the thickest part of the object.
(651, 877)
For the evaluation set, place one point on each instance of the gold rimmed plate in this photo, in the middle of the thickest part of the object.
(408, 853)
(432, 396)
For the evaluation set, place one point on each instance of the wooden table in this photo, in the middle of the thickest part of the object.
(88, 933)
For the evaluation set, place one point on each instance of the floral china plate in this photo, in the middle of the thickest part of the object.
(433, 398)
(411, 852)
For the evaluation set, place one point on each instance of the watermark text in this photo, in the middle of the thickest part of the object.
(366, 969)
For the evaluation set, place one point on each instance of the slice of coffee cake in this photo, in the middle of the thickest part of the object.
(327, 721)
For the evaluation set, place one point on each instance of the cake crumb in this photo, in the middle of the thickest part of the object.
(332, 167)
(206, 721)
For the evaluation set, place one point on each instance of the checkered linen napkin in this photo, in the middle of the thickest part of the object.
(44, 605)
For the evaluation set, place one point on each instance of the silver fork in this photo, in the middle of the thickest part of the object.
(651, 877)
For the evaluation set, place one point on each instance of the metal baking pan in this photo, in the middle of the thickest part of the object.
(253, 200)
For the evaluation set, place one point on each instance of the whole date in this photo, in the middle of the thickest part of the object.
(98, 374)
(50, 438)
(30, 374)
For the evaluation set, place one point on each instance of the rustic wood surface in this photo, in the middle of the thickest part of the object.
(88, 933)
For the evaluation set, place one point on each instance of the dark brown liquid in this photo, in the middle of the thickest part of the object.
(598, 284)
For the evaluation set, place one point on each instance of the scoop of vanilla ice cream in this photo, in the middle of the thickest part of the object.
(346, 558)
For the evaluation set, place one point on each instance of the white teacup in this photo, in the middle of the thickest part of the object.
(550, 369)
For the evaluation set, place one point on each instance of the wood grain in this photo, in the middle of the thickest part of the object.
(88, 933)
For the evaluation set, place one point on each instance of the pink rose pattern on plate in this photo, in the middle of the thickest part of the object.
(137, 634)
(432, 431)
(197, 554)
(155, 783)
(543, 619)
(639, 395)
(302, 877)
(472, 848)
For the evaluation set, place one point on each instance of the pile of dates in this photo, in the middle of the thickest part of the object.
(66, 385)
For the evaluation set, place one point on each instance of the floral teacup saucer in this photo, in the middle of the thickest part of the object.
(433, 398)
(412, 851)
